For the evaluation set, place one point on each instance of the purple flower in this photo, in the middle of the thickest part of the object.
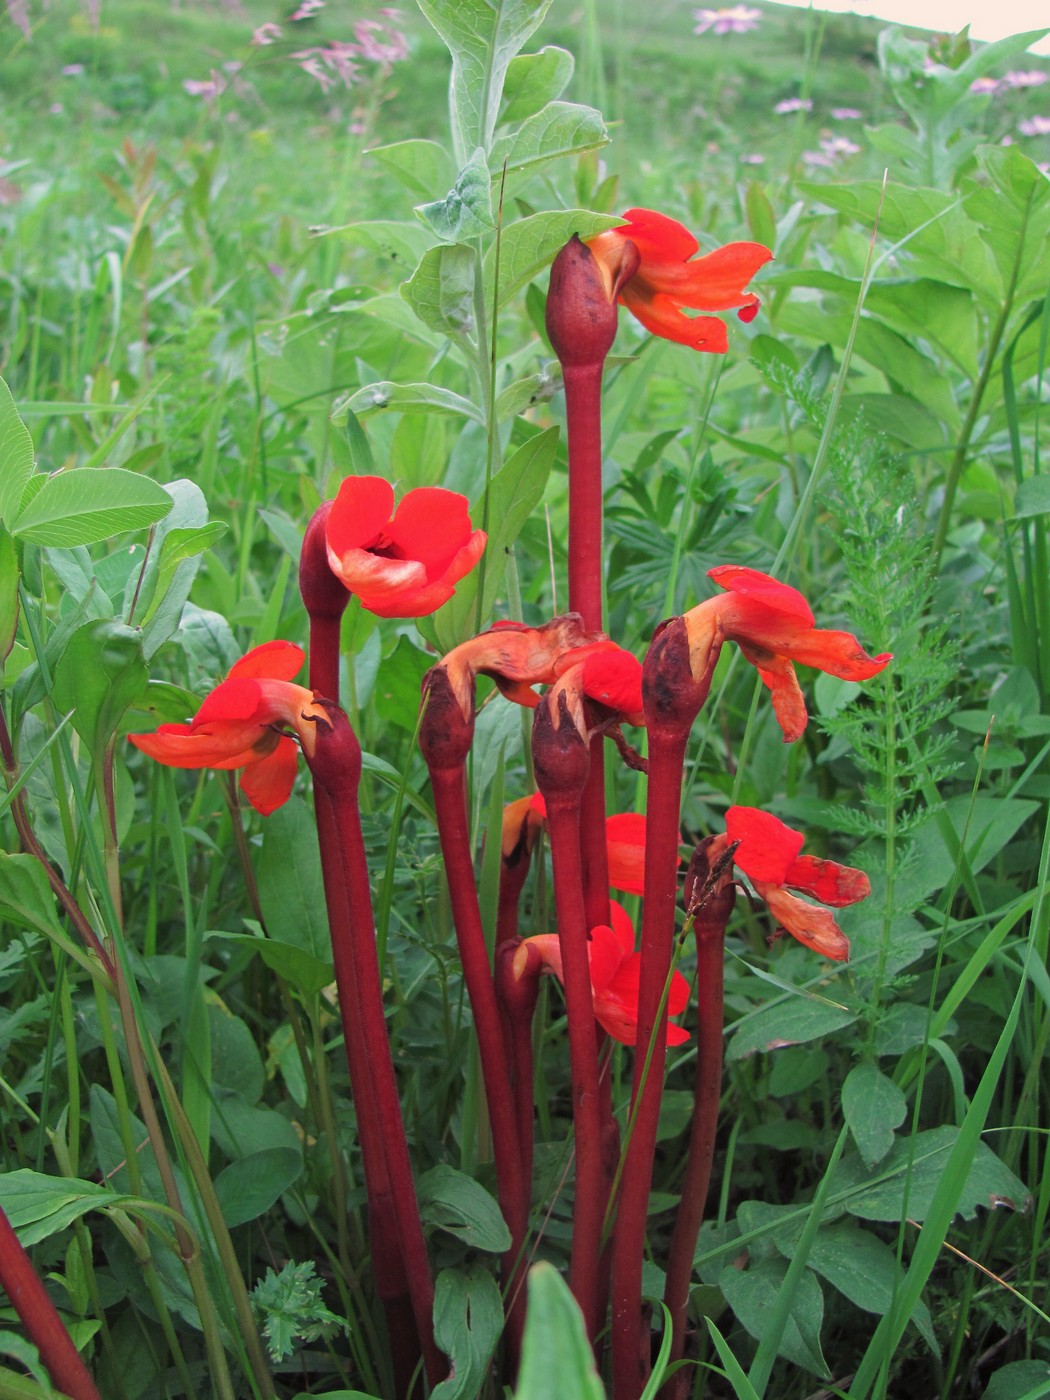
(72, 70)
(846, 114)
(793, 104)
(985, 85)
(1033, 77)
(817, 158)
(208, 88)
(835, 146)
(267, 33)
(753, 159)
(738, 20)
(1034, 126)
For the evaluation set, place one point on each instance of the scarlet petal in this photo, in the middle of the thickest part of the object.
(622, 926)
(767, 845)
(614, 678)
(267, 783)
(660, 314)
(605, 954)
(658, 237)
(431, 525)
(625, 845)
(716, 281)
(378, 582)
(814, 927)
(763, 588)
(837, 885)
(361, 509)
(778, 674)
(280, 661)
(839, 654)
(235, 699)
(177, 746)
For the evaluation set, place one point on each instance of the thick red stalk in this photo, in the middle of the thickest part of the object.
(709, 929)
(630, 1340)
(583, 390)
(450, 807)
(325, 599)
(336, 766)
(40, 1318)
(563, 827)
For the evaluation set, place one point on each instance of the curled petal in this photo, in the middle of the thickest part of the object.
(811, 925)
(658, 237)
(379, 582)
(359, 513)
(831, 883)
(660, 315)
(179, 746)
(431, 525)
(778, 674)
(839, 654)
(763, 588)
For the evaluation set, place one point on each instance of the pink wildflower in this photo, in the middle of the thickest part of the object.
(370, 34)
(1032, 77)
(793, 104)
(835, 146)
(846, 114)
(738, 20)
(267, 33)
(985, 85)
(305, 9)
(1034, 126)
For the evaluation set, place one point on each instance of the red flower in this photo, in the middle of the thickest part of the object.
(615, 969)
(611, 676)
(402, 563)
(236, 727)
(670, 279)
(768, 855)
(773, 626)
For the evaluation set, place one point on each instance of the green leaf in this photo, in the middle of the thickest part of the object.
(8, 594)
(101, 673)
(466, 211)
(761, 220)
(468, 1321)
(990, 1183)
(514, 493)
(1033, 497)
(989, 823)
(423, 167)
(874, 1107)
(555, 1343)
(533, 80)
(300, 969)
(248, 1187)
(25, 895)
(291, 891)
(403, 243)
(441, 290)
(1019, 1380)
(417, 398)
(38, 1206)
(752, 1293)
(455, 1202)
(85, 506)
(530, 244)
(482, 38)
(560, 129)
(397, 689)
(1014, 216)
(16, 456)
(789, 1023)
(735, 1373)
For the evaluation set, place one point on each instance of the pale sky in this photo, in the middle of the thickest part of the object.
(988, 19)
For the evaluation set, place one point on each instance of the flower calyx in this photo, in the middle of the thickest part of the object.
(581, 301)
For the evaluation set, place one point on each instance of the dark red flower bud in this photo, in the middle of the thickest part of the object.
(322, 593)
(709, 891)
(445, 733)
(336, 758)
(560, 752)
(581, 302)
(676, 674)
(518, 969)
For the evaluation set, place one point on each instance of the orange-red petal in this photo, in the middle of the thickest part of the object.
(361, 510)
(831, 883)
(767, 846)
(267, 782)
(811, 925)
(625, 847)
(279, 661)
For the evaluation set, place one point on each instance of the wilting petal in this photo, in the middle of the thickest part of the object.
(611, 676)
(789, 704)
(811, 925)
(763, 588)
(827, 881)
(267, 783)
(837, 653)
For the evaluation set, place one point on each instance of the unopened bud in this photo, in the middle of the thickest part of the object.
(445, 733)
(322, 593)
(334, 757)
(581, 302)
(560, 753)
(676, 674)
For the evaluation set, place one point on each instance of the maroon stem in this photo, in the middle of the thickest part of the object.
(710, 973)
(563, 826)
(583, 389)
(324, 656)
(513, 1188)
(630, 1339)
(336, 766)
(40, 1318)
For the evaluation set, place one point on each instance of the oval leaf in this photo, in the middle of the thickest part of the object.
(83, 507)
